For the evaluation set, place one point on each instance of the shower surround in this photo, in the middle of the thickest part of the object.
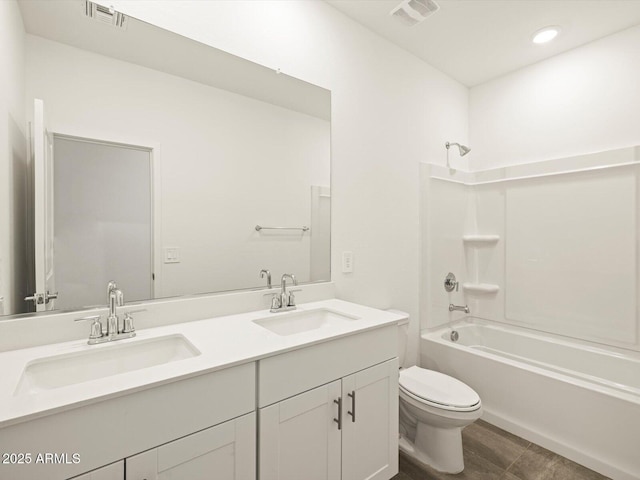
(546, 250)
(550, 246)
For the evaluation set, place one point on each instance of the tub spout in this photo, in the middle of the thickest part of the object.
(459, 308)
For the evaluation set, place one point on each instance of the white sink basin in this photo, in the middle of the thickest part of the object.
(104, 361)
(303, 321)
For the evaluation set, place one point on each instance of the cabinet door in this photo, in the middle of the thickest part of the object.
(370, 426)
(299, 438)
(224, 452)
(114, 471)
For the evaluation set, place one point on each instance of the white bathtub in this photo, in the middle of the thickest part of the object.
(577, 399)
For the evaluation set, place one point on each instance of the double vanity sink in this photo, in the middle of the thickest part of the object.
(117, 404)
(98, 362)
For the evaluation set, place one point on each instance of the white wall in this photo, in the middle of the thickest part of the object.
(565, 240)
(225, 162)
(13, 161)
(390, 111)
(582, 101)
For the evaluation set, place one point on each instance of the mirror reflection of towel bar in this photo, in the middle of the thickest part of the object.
(304, 228)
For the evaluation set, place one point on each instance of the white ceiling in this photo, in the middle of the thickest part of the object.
(474, 41)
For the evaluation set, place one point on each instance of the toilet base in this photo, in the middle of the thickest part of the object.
(444, 447)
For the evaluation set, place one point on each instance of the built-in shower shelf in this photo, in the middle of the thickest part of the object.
(481, 287)
(480, 238)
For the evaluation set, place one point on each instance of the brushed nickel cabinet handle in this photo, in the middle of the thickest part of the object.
(339, 419)
(353, 406)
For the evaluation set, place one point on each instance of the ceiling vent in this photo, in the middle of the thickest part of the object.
(412, 12)
(105, 15)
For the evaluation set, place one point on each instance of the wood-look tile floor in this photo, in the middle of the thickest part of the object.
(490, 453)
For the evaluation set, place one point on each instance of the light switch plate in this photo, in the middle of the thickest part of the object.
(172, 255)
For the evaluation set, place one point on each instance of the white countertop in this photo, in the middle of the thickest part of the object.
(222, 341)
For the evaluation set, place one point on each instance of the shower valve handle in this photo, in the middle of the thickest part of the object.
(450, 282)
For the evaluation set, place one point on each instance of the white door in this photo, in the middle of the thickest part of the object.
(114, 471)
(370, 429)
(299, 437)
(45, 294)
(224, 452)
(103, 220)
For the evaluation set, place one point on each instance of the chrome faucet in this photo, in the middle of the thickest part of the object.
(266, 272)
(286, 300)
(115, 298)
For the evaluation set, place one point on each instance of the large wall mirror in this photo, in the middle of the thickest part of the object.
(168, 166)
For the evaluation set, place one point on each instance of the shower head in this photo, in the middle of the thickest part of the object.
(463, 148)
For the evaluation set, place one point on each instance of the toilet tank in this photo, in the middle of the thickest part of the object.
(403, 334)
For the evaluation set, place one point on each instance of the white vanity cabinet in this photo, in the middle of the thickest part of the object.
(115, 471)
(226, 452)
(223, 452)
(299, 438)
(370, 423)
(344, 429)
(161, 418)
(316, 403)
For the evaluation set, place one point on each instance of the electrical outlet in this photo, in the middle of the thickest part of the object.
(347, 262)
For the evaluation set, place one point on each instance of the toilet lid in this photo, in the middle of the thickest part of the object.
(437, 388)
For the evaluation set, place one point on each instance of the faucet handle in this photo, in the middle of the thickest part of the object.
(292, 297)
(127, 323)
(276, 302)
(96, 326)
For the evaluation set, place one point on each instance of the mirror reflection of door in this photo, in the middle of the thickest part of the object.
(103, 221)
(44, 282)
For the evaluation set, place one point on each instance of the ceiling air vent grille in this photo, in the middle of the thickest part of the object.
(105, 15)
(412, 12)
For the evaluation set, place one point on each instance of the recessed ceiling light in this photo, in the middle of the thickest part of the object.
(545, 34)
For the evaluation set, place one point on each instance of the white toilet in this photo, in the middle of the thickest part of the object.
(434, 408)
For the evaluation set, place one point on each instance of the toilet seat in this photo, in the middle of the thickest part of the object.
(438, 390)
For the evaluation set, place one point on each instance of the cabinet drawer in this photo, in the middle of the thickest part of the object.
(288, 374)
